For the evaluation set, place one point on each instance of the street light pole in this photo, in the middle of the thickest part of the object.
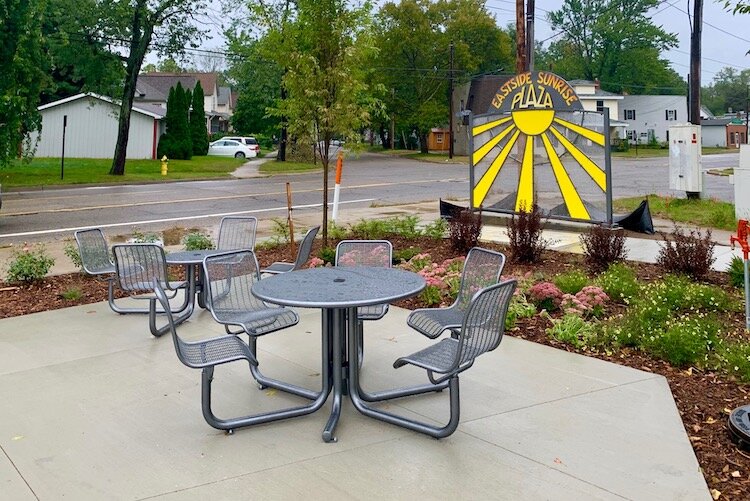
(450, 103)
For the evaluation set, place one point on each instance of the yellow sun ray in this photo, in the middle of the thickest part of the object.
(573, 201)
(590, 167)
(483, 186)
(525, 197)
(594, 136)
(489, 125)
(487, 147)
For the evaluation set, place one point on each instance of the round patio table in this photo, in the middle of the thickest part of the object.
(191, 259)
(338, 292)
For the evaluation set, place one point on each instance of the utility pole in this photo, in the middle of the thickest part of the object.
(695, 74)
(695, 63)
(450, 102)
(520, 38)
(530, 34)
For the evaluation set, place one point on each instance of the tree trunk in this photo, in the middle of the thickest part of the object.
(423, 142)
(281, 155)
(139, 43)
(384, 139)
(324, 161)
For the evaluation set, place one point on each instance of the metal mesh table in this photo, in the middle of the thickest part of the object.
(338, 292)
(191, 259)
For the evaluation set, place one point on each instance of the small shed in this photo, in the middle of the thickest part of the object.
(439, 140)
(91, 131)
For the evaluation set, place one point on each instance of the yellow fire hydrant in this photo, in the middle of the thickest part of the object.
(164, 162)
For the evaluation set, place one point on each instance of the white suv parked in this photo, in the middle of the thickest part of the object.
(250, 141)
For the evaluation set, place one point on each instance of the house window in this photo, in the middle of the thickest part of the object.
(439, 138)
(629, 114)
(599, 105)
(671, 115)
(631, 135)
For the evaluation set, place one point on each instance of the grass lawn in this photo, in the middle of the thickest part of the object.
(707, 213)
(664, 152)
(46, 171)
(276, 167)
(441, 158)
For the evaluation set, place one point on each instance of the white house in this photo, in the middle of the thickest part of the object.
(649, 117)
(594, 99)
(91, 131)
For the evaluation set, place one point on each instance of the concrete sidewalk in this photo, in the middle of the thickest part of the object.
(96, 408)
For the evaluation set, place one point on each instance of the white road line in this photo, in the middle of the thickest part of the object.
(171, 219)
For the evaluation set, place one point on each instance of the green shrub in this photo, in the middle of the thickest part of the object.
(197, 241)
(619, 282)
(436, 229)
(279, 231)
(735, 359)
(404, 226)
(572, 330)
(525, 235)
(73, 294)
(736, 272)
(403, 255)
(518, 308)
(431, 295)
(29, 265)
(370, 229)
(328, 255)
(691, 254)
(71, 251)
(337, 232)
(686, 341)
(145, 238)
(571, 282)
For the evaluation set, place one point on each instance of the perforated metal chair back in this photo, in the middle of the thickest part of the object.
(482, 268)
(484, 324)
(206, 353)
(364, 253)
(94, 252)
(305, 247)
(229, 278)
(138, 265)
(237, 233)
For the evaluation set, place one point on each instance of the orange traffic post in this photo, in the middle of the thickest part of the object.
(337, 187)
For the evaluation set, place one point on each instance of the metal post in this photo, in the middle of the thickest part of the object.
(289, 218)
(62, 157)
(470, 131)
(608, 167)
(530, 34)
(450, 102)
(747, 295)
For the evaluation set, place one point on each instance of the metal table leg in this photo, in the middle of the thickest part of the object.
(337, 333)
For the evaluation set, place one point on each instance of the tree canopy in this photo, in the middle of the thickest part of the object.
(616, 42)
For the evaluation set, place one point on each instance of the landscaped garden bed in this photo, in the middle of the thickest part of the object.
(635, 314)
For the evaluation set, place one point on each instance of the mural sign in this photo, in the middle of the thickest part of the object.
(536, 144)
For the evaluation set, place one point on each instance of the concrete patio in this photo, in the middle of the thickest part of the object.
(96, 408)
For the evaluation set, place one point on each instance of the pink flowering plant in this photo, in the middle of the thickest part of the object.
(589, 302)
(443, 280)
(546, 296)
(375, 256)
(316, 262)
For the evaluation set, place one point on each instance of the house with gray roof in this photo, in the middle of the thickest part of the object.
(154, 88)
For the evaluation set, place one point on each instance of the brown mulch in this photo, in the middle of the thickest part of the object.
(704, 399)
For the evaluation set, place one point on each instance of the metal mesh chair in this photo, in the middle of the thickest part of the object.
(480, 331)
(482, 268)
(228, 279)
(137, 266)
(206, 354)
(377, 253)
(303, 254)
(237, 233)
(96, 260)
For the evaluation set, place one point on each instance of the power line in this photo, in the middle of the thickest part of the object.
(712, 26)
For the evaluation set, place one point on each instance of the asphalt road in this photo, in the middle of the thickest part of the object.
(371, 179)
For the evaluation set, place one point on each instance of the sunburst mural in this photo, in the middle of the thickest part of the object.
(530, 124)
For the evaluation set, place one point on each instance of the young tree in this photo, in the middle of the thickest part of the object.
(198, 131)
(327, 95)
(22, 76)
(176, 142)
(134, 25)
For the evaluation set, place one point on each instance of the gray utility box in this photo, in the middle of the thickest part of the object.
(742, 184)
(685, 173)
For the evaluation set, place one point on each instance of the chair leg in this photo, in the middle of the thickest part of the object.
(152, 312)
(233, 423)
(361, 342)
(267, 382)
